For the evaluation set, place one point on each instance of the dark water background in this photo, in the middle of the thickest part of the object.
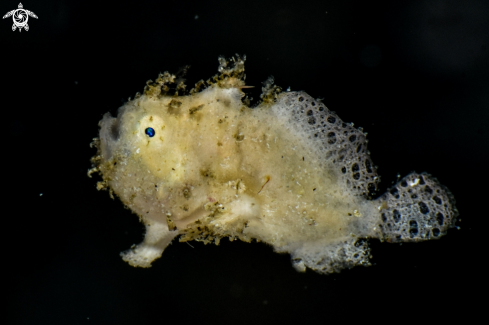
(414, 74)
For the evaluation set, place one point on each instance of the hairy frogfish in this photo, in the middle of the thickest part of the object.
(203, 165)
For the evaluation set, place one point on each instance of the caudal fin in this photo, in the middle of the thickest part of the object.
(417, 208)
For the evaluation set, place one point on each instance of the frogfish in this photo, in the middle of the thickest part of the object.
(205, 164)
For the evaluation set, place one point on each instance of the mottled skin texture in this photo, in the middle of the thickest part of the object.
(216, 168)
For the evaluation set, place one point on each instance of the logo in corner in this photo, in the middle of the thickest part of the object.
(20, 17)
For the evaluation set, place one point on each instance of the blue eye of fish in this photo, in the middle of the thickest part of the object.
(150, 132)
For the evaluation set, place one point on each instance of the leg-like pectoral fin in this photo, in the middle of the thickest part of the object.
(157, 238)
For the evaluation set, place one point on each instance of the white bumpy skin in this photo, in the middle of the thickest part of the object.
(288, 172)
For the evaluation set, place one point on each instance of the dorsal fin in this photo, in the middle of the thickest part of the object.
(329, 139)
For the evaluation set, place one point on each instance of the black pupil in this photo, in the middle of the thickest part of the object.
(150, 132)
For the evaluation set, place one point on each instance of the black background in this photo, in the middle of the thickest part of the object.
(414, 74)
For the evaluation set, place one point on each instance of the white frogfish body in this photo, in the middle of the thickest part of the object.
(289, 172)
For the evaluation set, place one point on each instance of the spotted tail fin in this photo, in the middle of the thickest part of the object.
(417, 208)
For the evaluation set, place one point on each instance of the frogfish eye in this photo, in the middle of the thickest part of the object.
(150, 132)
